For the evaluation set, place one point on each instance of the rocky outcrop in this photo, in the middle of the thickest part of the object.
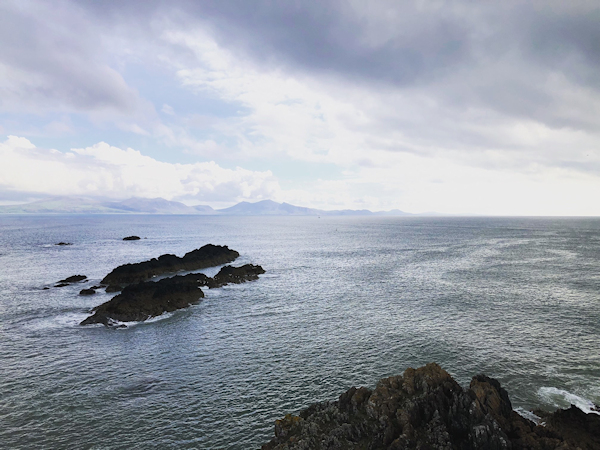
(427, 409)
(73, 279)
(89, 291)
(131, 238)
(141, 301)
(207, 256)
(236, 275)
(69, 280)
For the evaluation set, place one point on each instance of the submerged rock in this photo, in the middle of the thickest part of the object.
(63, 243)
(427, 409)
(131, 238)
(141, 301)
(206, 256)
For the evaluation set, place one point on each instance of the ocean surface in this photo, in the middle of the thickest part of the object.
(345, 301)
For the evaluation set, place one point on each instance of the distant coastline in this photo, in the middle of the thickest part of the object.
(136, 205)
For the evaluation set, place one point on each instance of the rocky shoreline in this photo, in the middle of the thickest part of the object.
(427, 409)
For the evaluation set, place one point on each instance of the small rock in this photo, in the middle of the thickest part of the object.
(87, 292)
(61, 284)
(73, 279)
(131, 238)
(64, 243)
(45, 288)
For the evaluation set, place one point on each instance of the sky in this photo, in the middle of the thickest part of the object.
(457, 107)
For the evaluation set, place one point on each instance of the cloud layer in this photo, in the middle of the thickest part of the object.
(105, 171)
(447, 106)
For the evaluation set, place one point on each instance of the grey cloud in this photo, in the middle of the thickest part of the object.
(478, 64)
(53, 60)
(498, 56)
(491, 55)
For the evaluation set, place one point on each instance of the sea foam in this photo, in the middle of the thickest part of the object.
(563, 399)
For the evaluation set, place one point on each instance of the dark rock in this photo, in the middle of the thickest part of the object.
(64, 243)
(45, 288)
(426, 409)
(73, 279)
(96, 287)
(141, 301)
(62, 284)
(576, 427)
(148, 299)
(87, 292)
(131, 238)
(207, 256)
(113, 288)
(236, 275)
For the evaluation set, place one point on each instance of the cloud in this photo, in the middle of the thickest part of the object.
(51, 60)
(106, 171)
(168, 110)
(411, 104)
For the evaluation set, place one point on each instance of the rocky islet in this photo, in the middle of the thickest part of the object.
(141, 300)
(70, 280)
(206, 256)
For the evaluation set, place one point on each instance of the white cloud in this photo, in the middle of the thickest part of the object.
(167, 109)
(103, 170)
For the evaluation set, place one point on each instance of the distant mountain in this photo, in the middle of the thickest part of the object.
(86, 205)
(59, 205)
(204, 209)
(151, 206)
(268, 208)
(137, 205)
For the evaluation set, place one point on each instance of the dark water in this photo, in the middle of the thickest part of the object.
(345, 301)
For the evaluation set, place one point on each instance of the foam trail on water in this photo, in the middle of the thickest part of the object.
(563, 399)
(529, 415)
(121, 325)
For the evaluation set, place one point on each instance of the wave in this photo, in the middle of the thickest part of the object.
(560, 398)
(122, 325)
(69, 319)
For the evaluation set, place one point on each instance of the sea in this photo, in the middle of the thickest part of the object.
(345, 301)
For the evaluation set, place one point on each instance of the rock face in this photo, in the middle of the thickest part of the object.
(141, 301)
(426, 409)
(207, 256)
(131, 238)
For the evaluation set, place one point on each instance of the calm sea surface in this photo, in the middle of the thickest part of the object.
(345, 301)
